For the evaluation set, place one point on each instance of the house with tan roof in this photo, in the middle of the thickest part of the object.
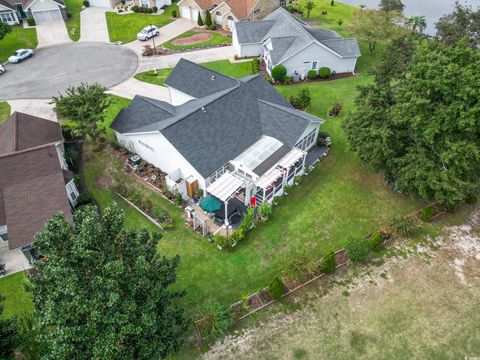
(35, 182)
(226, 13)
(13, 11)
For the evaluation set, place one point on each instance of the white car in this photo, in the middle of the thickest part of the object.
(20, 55)
(147, 33)
(2, 69)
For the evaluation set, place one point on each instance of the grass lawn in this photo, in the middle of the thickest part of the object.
(236, 70)
(124, 28)
(74, 7)
(4, 111)
(216, 39)
(17, 300)
(19, 38)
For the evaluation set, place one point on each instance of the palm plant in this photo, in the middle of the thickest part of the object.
(416, 23)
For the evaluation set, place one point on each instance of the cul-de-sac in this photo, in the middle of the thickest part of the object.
(239, 179)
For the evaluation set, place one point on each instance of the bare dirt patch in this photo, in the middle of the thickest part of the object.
(421, 303)
(104, 181)
(191, 40)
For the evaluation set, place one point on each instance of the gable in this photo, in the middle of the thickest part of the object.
(38, 5)
(4, 8)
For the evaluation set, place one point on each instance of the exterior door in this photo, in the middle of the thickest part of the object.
(231, 23)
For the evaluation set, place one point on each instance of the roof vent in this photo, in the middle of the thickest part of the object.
(204, 109)
(213, 77)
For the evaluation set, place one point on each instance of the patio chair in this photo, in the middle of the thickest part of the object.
(235, 218)
(2, 269)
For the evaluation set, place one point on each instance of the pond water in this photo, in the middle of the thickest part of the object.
(431, 9)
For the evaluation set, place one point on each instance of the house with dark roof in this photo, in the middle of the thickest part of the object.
(35, 182)
(223, 135)
(283, 39)
(226, 13)
(13, 11)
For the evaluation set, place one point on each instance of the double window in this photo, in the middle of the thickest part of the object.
(7, 18)
(307, 141)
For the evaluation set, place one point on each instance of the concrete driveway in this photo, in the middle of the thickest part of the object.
(36, 107)
(167, 33)
(93, 25)
(131, 87)
(52, 33)
(200, 56)
(55, 68)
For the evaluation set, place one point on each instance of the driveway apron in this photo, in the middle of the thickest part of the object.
(93, 25)
(52, 33)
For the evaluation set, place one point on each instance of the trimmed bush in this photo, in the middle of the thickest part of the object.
(358, 249)
(276, 288)
(135, 8)
(208, 19)
(31, 21)
(329, 263)
(376, 242)
(312, 74)
(427, 214)
(199, 20)
(471, 199)
(86, 3)
(155, 9)
(174, 13)
(279, 73)
(324, 72)
(255, 65)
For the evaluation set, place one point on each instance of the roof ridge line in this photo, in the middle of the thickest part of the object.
(147, 99)
(286, 109)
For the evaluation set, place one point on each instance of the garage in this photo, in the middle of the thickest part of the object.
(188, 13)
(100, 3)
(47, 16)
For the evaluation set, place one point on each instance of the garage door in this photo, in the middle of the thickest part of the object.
(100, 3)
(185, 12)
(47, 16)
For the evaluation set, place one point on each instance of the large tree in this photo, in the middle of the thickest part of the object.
(462, 23)
(375, 26)
(85, 106)
(8, 334)
(391, 5)
(5, 29)
(100, 290)
(419, 122)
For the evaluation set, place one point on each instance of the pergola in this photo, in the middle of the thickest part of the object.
(200, 219)
(224, 188)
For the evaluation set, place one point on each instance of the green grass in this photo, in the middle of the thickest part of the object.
(124, 28)
(236, 70)
(216, 39)
(19, 38)
(17, 300)
(74, 7)
(4, 111)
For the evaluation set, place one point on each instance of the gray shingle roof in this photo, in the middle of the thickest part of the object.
(7, 4)
(280, 25)
(213, 130)
(198, 81)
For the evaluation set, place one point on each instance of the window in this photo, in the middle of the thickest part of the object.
(72, 191)
(7, 17)
(314, 65)
(306, 141)
(3, 233)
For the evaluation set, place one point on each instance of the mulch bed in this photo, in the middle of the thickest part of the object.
(341, 257)
(265, 295)
(194, 39)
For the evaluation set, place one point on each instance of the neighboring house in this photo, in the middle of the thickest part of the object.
(153, 3)
(34, 179)
(109, 4)
(283, 39)
(226, 13)
(13, 11)
(223, 135)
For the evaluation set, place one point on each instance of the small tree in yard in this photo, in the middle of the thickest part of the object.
(279, 73)
(276, 288)
(309, 6)
(200, 20)
(85, 106)
(101, 290)
(304, 99)
(218, 320)
(358, 249)
(328, 264)
(5, 29)
(208, 19)
(8, 334)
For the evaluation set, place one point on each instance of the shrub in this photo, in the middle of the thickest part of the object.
(174, 13)
(255, 65)
(340, 22)
(357, 249)
(427, 214)
(312, 74)
(324, 72)
(199, 19)
(335, 110)
(376, 242)
(276, 288)
(224, 242)
(471, 199)
(135, 8)
(404, 225)
(279, 73)
(329, 263)
(199, 192)
(208, 19)
(155, 9)
(265, 210)
(213, 27)
(304, 99)
(86, 3)
(31, 21)
(84, 199)
(294, 102)
(218, 320)
(123, 2)
(237, 236)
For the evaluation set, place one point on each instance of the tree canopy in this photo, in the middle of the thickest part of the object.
(85, 106)
(375, 26)
(419, 122)
(462, 23)
(8, 333)
(5, 29)
(391, 5)
(100, 290)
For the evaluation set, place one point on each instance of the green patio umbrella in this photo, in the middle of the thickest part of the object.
(210, 203)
